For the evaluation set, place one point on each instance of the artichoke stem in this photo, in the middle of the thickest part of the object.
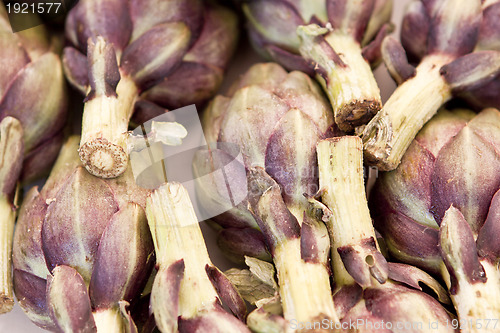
(103, 148)
(347, 78)
(413, 103)
(304, 287)
(341, 183)
(108, 321)
(477, 303)
(177, 235)
(6, 232)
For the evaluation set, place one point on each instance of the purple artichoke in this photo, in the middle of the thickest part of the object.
(172, 53)
(32, 90)
(82, 249)
(440, 209)
(440, 36)
(335, 40)
(276, 118)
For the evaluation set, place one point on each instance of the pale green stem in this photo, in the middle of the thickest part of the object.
(342, 187)
(177, 235)
(389, 134)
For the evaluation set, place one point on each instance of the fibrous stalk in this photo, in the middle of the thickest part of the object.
(304, 287)
(344, 74)
(355, 254)
(108, 108)
(388, 135)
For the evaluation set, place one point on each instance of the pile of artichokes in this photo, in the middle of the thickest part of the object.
(332, 210)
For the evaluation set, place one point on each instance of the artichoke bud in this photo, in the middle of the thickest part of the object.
(328, 37)
(154, 53)
(90, 229)
(442, 37)
(444, 195)
(277, 178)
(32, 80)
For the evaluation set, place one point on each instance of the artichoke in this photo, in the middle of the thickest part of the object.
(11, 157)
(276, 118)
(188, 289)
(335, 40)
(370, 292)
(172, 53)
(32, 90)
(86, 235)
(439, 209)
(441, 37)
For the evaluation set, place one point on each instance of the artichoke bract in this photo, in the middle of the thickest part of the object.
(82, 249)
(32, 90)
(439, 209)
(172, 53)
(439, 36)
(188, 290)
(276, 118)
(373, 294)
(335, 40)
